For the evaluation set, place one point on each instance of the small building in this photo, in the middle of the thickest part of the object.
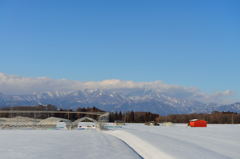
(85, 123)
(197, 123)
(63, 125)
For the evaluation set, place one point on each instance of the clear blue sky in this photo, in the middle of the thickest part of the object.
(189, 43)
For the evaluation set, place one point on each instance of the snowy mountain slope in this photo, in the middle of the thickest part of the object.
(111, 95)
(116, 100)
(231, 107)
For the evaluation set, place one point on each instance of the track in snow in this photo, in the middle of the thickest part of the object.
(143, 148)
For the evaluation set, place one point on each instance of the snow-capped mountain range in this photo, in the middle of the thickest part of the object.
(121, 100)
(112, 95)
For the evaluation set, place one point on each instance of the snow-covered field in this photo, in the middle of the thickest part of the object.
(60, 144)
(182, 142)
(133, 141)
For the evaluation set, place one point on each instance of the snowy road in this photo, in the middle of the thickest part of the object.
(143, 148)
(53, 144)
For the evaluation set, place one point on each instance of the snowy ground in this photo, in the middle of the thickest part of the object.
(60, 144)
(182, 142)
(133, 141)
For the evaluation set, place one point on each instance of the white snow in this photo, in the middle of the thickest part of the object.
(60, 144)
(182, 142)
(133, 141)
(143, 148)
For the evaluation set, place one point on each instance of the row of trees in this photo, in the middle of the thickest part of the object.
(129, 117)
(213, 118)
(141, 117)
(133, 117)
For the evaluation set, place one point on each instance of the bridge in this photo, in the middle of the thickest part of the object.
(49, 112)
(102, 115)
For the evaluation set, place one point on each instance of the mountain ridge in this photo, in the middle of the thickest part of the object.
(139, 99)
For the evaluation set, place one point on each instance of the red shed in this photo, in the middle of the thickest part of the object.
(197, 123)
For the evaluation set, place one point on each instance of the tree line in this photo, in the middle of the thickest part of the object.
(128, 117)
(213, 118)
(133, 117)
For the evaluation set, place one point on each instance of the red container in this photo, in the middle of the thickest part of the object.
(197, 123)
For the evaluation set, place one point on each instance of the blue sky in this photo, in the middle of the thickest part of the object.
(189, 43)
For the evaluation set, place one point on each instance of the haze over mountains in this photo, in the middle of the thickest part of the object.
(112, 95)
